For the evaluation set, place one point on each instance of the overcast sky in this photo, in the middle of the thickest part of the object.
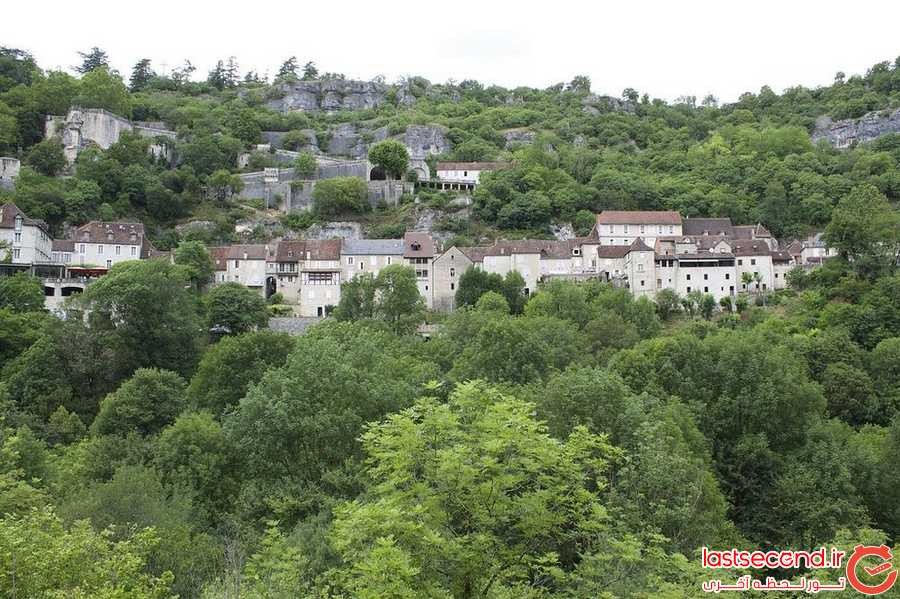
(664, 48)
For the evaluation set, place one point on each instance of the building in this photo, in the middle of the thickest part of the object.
(27, 240)
(621, 227)
(446, 270)
(307, 273)
(418, 252)
(244, 264)
(464, 175)
(369, 255)
(103, 244)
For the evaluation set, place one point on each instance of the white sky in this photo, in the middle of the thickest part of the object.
(662, 47)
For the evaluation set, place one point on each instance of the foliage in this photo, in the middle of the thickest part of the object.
(194, 256)
(21, 292)
(145, 403)
(391, 156)
(340, 195)
(235, 308)
(305, 166)
(46, 157)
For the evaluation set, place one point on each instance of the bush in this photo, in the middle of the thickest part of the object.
(340, 195)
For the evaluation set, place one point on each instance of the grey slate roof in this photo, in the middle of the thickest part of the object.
(372, 247)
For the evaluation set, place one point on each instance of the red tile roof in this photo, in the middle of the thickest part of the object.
(318, 249)
(417, 245)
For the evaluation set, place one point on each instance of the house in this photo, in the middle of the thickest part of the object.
(446, 269)
(755, 258)
(27, 240)
(369, 256)
(307, 273)
(63, 250)
(103, 244)
(244, 264)
(466, 172)
(622, 227)
(418, 252)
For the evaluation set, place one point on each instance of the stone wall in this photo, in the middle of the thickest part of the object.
(842, 134)
(9, 168)
(82, 127)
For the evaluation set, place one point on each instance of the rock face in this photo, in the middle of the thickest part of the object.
(332, 230)
(329, 95)
(842, 134)
(516, 138)
(425, 140)
(595, 105)
(352, 141)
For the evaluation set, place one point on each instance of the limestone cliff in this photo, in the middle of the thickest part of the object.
(842, 134)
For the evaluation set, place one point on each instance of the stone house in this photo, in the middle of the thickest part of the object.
(369, 256)
(307, 273)
(418, 252)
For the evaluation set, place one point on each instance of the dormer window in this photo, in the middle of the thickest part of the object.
(576, 252)
(109, 236)
(290, 253)
(133, 236)
(18, 222)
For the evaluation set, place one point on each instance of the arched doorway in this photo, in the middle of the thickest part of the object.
(377, 174)
(271, 286)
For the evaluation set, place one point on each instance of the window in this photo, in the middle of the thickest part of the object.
(688, 289)
(688, 277)
(118, 250)
(422, 274)
(659, 282)
(706, 290)
(349, 259)
(642, 282)
(17, 253)
(642, 229)
(133, 250)
(705, 277)
(236, 263)
(752, 261)
(452, 286)
(18, 238)
(426, 287)
(776, 275)
(388, 259)
(465, 173)
(731, 289)
(640, 268)
(727, 276)
(625, 228)
(362, 265)
(740, 262)
(81, 249)
(612, 229)
(100, 249)
(317, 278)
(452, 272)
(18, 223)
(671, 229)
(108, 263)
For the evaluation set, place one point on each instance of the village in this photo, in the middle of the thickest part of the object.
(643, 251)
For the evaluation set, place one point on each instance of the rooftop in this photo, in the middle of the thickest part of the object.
(638, 217)
(707, 226)
(317, 249)
(373, 247)
(8, 214)
(471, 166)
(110, 232)
(417, 245)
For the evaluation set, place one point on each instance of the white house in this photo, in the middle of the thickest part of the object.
(103, 244)
(27, 240)
(622, 227)
(369, 255)
(466, 172)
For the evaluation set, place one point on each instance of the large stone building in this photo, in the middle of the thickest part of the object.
(307, 273)
(27, 240)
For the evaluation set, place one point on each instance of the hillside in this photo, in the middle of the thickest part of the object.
(576, 152)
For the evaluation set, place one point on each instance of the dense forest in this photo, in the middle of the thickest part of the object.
(572, 443)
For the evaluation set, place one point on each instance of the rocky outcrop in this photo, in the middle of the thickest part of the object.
(347, 140)
(516, 138)
(595, 105)
(328, 95)
(842, 134)
(353, 141)
(426, 140)
(332, 230)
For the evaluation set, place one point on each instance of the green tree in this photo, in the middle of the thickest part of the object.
(439, 492)
(141, 75)
(357, 298)
(21, 292)
(397, 298)
(46, 157)
(707, 306)
(288, 70)
(44, 558)
(391, 156)
(491, 301)
(101, 88)
(145, 310)
(93, 59)
(340, 195)
(193, 453)
(194, 256)
(235, 307)
(145, 403)
(229, 367)
(866, 230)
(305, 166)
(222, 185)
(310, 72)
(668, 303)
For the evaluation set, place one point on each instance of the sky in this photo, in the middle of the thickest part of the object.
(665, 48)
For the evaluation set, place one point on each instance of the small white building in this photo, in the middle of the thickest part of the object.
(622, 227)
(27, 240)
(466, 172)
